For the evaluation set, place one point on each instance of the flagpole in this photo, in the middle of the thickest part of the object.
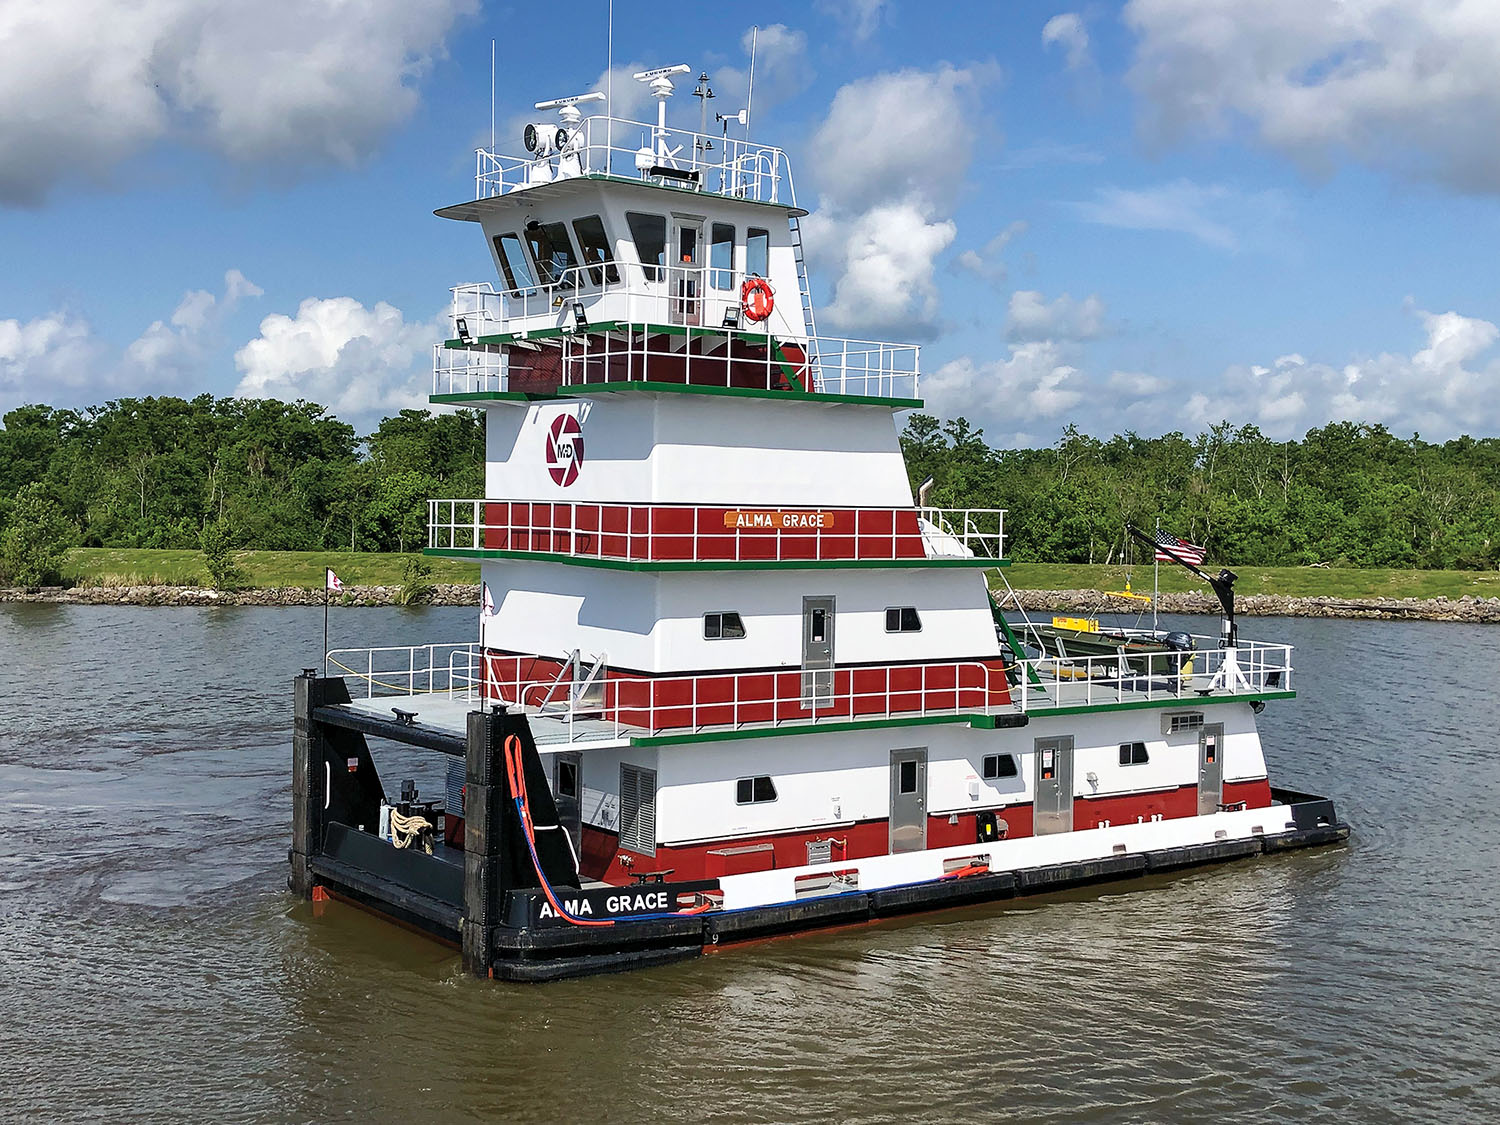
(1155, 578)
(325, 624)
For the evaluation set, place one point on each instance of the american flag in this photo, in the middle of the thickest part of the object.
(1182, 550)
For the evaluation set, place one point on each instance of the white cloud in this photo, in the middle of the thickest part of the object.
(1137, 384)
(1067, 31)
(359, 362)
(1407, 85)
(889, 162)
(57, 358)
(1032, 383)
(861, 17)
(1214, 214)
(1033, 317)
(1444, 388)
(987, 262)
(86, 84)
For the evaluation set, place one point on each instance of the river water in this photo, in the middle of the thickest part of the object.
(153, 967)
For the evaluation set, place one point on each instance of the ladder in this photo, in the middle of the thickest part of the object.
(808, 319)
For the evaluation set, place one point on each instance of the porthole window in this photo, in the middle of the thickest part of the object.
(999, 765)
(722, 627)
(754, 790)
(903, 619)
(1133, 754)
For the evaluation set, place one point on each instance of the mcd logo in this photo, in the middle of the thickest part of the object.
(564, 449)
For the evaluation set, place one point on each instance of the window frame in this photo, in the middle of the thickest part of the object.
(1128, 752)
(605, 268)
(757, 796)
(507, 266)
(546, 279)
(655, 271)
(716, 272)
(752, 235)
(721, 635)
(999, 774)
(901, 611)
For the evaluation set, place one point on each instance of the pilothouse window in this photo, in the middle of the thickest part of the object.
(649, 233)
(757, 252)
(513, 263)
(595, 246)
(721, 256)
(553, 251)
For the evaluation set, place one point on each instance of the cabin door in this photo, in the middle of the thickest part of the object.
(567, 791)
(685, 271)
(1210, 768)
(1053, 811)
(817, 653)
(908, 800)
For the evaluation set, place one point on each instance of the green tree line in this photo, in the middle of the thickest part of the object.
(241, 473)
(1347, 494)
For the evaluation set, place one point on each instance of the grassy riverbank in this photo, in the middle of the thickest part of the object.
(265, 569)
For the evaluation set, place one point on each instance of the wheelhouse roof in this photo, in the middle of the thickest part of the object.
(477, 210)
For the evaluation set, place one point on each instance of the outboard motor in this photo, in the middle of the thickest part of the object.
(1182, 644)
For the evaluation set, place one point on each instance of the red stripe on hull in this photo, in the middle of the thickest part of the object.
(602, 855)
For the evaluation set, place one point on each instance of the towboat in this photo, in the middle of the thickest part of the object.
(728, 678)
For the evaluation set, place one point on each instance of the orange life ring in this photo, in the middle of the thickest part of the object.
(756, 298)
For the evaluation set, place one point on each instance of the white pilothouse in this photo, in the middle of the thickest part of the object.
(756, 673)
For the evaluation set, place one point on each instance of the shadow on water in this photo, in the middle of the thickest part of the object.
(153, 967)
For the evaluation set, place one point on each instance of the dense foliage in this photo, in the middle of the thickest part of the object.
(234, 474)
(1347, 494)
(159, 472)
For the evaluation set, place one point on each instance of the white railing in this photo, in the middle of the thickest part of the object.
(451, 669)
(972, 531)
(719, 533)
(602, 145)
(1049, 682)
(647, 318)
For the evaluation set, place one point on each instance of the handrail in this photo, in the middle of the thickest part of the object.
(745, 169)
(721, 533)
(1251, 667)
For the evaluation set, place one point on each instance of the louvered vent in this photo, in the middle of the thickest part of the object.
(638, 809)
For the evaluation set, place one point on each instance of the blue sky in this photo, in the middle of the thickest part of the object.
(1151, 215)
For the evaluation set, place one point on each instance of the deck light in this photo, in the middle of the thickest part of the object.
(579, 319)
(731, 317)
(462, 326)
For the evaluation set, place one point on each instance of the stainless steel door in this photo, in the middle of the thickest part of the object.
(685, 271)
(567, 793)
(1210, 768)
(1053, 811)
(817, 652)
(908, 800)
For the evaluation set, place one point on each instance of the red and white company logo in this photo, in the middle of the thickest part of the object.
(564, 449)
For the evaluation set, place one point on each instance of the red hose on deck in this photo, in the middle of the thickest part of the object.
(516, 773)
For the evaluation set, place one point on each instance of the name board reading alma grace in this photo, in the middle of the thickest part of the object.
(778, 521)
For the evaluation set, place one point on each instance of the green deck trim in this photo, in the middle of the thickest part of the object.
(1192, 702)
(684, 564)
(813, 727)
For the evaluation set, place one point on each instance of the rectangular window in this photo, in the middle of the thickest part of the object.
(903, 619)
(999, 765)
(754, 790)
(553, 252)
(1133, 754)
(638, 809)
(908, 779)
(819, 626)
(567, 778)
(757, 252)
(596, 252)
(721, 256)
(649, 233)
(513, 263)
(722, 627)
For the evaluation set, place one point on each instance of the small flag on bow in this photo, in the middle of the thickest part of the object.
(489, 602)
(1181, 550)
(332, 582)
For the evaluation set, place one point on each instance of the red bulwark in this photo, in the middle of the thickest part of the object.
(666, 533)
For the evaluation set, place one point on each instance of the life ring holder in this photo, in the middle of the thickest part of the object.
(757, 299)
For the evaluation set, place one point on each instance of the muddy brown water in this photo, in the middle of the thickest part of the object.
(153, 967)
